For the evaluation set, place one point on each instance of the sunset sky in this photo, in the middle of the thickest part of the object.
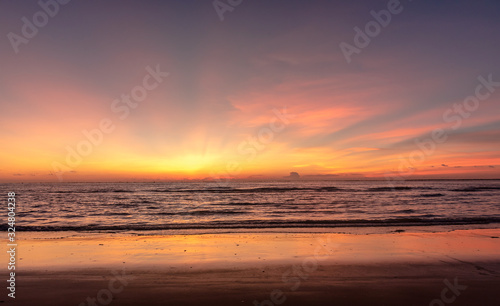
(215, 114)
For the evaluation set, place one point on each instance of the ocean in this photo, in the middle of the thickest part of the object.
(47, 207)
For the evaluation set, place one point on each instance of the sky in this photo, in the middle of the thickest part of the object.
(195, 89)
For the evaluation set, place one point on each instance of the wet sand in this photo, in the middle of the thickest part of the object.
(460, 267)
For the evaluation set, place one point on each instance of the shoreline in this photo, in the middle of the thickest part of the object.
(104, 250)
(354, 230)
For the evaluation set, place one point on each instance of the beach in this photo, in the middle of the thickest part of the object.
(410, 267)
